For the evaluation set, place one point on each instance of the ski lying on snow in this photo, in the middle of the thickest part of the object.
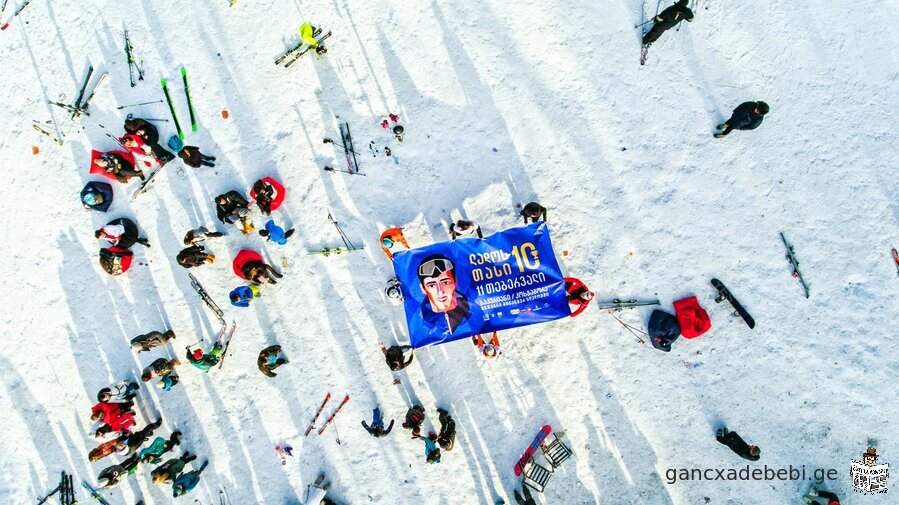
(328, 422)
(336, 250)
(616, 304)
(312, 424)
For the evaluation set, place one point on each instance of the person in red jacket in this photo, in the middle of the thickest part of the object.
(105, 449)
(578, 295)
(136, 145)
(117, 416)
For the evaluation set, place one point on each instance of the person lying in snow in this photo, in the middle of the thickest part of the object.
(116, 165)
(111, 476)
(747, 116)
(447, 436)
(259, 271)
(736, 444)
(432, 452)
(389, 238)
(241, 296)
(115, 416)
(153, 453)
(150, 136)
(489, 351)
(205, 361)
(275, 233)
(578, 295)
(119, 392)
(133, 441)
(187, 481)
(105, 449)
(136, 146)
(159, 367)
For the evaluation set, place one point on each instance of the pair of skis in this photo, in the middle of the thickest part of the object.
(80, 107)
(190, 105)
(319, 412)
(227, 342)
(145, 185)
(349, 151)
(349, 246)
(302, 53)
(14, 14)
(65, 489)
(617, 305)
(132, 63)
(195, 283)
(794, 263)
(94, 493)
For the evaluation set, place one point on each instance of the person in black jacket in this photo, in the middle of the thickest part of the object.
(194, 256)
(747, 116)
(150, 135)
(121, 168)
(447, 436)
(394, 356)
(534, 211)
(137, 439)
(667, 19)
(260, 272)
(377, 425)
(192, 157)
(232, 207)
(736, 444)
(414, 419)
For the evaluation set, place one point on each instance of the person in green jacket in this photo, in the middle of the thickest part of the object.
(171, 469)
(187, 481)
(307, 32)
(205, 361)
(153, 453)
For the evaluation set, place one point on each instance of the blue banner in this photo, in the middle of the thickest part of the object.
(454, 290)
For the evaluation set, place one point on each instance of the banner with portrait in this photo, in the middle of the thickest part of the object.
(454, 290)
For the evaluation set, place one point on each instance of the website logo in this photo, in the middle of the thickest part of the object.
(867, 476)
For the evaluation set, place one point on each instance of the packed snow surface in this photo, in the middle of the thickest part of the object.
(503, 103)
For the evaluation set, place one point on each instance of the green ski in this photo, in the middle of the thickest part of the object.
(172, 108)
(190, 105)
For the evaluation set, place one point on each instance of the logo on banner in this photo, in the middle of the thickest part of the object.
(867, 476)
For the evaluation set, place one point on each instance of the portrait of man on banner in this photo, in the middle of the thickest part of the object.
(444, 307)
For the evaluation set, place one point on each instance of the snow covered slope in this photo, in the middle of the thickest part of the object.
(503, 103)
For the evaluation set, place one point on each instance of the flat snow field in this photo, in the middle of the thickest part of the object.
(503, 103)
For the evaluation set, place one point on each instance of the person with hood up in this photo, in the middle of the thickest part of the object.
(194, 256)
(377, 425)
(199, 235)
(736, 444)
(465, 229)
(395, 356)
(414, 419)
(187, 481)
(269, 360)
(150, 340)
(150, 135)
(190, 155)
(747, 116)
(241, 296)
(668, 19)
(275, 233)
(447, 436)
(170, 470)
(231, 208)
(533, 211)
(153, 453)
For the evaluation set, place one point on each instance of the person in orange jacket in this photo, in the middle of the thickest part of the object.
(489, 351)
(389, 238)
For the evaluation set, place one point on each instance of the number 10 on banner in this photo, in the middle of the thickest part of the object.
(526, 256)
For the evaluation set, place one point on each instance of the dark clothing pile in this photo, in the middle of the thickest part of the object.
(534, 211)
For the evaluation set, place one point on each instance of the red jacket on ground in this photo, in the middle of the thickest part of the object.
(692, 319)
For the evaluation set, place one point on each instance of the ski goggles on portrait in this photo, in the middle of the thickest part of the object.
(434, 267)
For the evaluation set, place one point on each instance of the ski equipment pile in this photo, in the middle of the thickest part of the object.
(145, 185)
(132, 63)
(194, 283)
(618, 305)
(65, 489)
(227, 343)
(14, 14)
(168, 99)
(725, 294)
(304, 51)
(343, 236)
(312, 424)
(896, 259)
(791, 255)
(529, 452)
(328, 422)
(94, 494)
(190, 105)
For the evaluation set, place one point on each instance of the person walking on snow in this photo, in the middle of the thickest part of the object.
(464, 229)
(432, 452)
(414, 419)
(199, 235)
(190, 155)
(533, 211)
(736, 444)
(447, 436)
(187, 481)
(395, 356)
(153, 453)
(194, 256)
(171, 469)
(527, 499)
(667, 19)
(241, 296)
(150, 340)
(377, 425)
(119, 392)
(269, 360)
(159, 367)
(489, 351)
(150, 135)
(747, 116)
(275, 233)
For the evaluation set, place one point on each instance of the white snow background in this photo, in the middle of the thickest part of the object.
(503, 103)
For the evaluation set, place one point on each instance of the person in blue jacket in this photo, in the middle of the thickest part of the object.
(432, 452)
(275, 233)
(377, 425)
(243, 295)
(187, 481)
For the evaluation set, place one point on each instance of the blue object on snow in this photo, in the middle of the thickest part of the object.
(275, 233)
(244, 295)
(95, 191)
(176, 144)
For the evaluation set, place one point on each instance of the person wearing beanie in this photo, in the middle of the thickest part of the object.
(667, 19)
(190, 155)
(747, 116)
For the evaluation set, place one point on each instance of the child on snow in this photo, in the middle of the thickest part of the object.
(394, 356)
(153, 453)
(150, 340)
(268, 360)
(171, 469)
(377, 425)
(205, 361)
(432, 452)
(275, 233)
(187, 481)
(243, 295)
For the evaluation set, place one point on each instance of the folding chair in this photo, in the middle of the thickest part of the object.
(536, 476)
(556, 452)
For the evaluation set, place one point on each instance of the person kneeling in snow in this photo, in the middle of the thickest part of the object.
(268, 360)
(243, 295)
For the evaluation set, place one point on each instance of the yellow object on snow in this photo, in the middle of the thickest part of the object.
(306, 35)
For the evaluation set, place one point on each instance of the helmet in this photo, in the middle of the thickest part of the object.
(386, 242)
(198, 353)
(89, 198)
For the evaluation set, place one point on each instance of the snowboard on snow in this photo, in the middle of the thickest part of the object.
(725, 294)
(529, 452)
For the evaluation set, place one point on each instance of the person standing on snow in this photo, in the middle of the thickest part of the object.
(307, 32)
(377, 425)
(120, 392)
(747, 116)
(667, 19)
(489, 351)
(269, 360)
(137, 439)
(736, 444)
(150, 135)
(152, 454)
(533, 211)
(464, 229)
(190, 155)
(414, 419)
(395, 356)
(194, 256)
(432, 452)
(447, 436)
(150, 340)
(187, 481)
(171, 469)
(205, 361)
(527, 499)
(159, 367)
(275, 233)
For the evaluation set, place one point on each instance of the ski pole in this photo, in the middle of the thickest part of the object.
(645, 22)
(129, 116)
(329, 141)
(110, 135)
(142, 103)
